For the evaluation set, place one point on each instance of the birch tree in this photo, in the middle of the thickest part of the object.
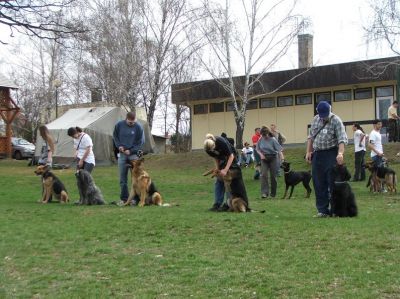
(255, 41)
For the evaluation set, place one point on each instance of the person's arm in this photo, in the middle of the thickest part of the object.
(283, 138)
(309, 149)
(339, 157)
(50, 152)
(117, 141)
(361, 139)
(262, 157)
(224, 171)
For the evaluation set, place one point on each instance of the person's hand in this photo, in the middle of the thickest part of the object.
(339, 159)
(262, 156)
(223, 172)
(80, 163)
(309, 157)
(121, 149)
(127, 152)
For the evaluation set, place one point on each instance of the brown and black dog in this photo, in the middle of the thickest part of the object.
(51, 185)
(143, 186)
(236, 202)
(381, 176)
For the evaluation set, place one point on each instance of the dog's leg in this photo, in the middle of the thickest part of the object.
(306, 185)
(47, 186)
(291, 191)
(144, 183)
(286, 189)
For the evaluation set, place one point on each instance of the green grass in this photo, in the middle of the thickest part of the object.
(65, 251)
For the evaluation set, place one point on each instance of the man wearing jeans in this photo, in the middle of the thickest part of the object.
(128, 137)
(325, 148)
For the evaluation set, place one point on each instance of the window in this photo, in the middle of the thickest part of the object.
(230, 106)
(386, 91)
(285, 101)
(252, 104)
(303, 99)
(200, 109)
(216, 107)
(342, 95)
(267, 103)
(363, 93)
(322, 96)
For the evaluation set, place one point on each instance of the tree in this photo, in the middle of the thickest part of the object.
(166, 48)
(36, 18)
(268, 31)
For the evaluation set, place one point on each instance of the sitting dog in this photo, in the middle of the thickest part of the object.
(51, 185)
(233, 183)
(381, 176)
(292, 178)
(89, 193)
(143, 186)
(343, 203)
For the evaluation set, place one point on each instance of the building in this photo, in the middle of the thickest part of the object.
(358, 91)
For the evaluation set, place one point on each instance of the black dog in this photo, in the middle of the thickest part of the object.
(292, 178)
(343, 202)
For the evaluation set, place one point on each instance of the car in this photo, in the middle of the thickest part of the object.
(22, 148)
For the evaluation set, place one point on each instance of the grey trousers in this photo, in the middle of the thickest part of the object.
(269, 165)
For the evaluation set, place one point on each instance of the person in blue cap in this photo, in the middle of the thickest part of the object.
(325, 149)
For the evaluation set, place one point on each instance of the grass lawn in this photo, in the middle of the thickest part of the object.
(65, 251)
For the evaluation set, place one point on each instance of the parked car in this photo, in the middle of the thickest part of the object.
(22, 148)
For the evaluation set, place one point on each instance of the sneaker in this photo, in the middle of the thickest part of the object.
(214, 208)
(223, 208)
(264, 195)
(322, 215)
(121, 203)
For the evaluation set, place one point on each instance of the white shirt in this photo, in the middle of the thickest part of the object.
(358, 144)
(247, 150)
(84, 142)
(375, 139)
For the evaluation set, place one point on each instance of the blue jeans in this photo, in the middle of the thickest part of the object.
(377, 161)
(322, 164)
(123, 160)
(219, 192)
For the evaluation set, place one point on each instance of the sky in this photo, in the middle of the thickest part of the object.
(337, 27)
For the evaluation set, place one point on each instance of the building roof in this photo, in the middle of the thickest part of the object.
(357, 72)
(5, 82)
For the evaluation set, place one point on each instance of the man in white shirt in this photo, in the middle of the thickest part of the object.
(247, 154)
(393, 118)
(375, 143)
(83, 146)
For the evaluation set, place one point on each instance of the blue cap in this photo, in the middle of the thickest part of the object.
(323, 109)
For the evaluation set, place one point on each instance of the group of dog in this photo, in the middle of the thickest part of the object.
(343, 202)
(142, 187)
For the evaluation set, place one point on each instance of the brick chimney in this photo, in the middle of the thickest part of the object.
(305, 50)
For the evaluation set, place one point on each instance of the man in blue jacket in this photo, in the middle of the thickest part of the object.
(128, 137)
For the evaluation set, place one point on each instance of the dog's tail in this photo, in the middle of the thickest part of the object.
(255, 211)
(165, 204)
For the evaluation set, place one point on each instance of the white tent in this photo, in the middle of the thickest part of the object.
(99, 123)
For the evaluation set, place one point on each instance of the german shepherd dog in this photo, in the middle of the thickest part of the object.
(343, 202)
(292, 178)
(89, 193)
(381, 176)
(51, 185)
(143, 186)
(233, 183)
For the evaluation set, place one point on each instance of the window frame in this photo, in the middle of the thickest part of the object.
(197, 113)
(364, 88)
(248, 107)
(303, 95)
(279, 98)
(218, 103)
(272, 99)
(344, 90)
(320, 93)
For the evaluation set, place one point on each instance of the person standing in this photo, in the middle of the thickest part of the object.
(128, 137)
(223, 153)
(393, 118)
(83, 146)
(257, 159)
(325, 148)
(47, 151)
(281, 140)
(359, 153)
(270, 152)
(375, 143)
